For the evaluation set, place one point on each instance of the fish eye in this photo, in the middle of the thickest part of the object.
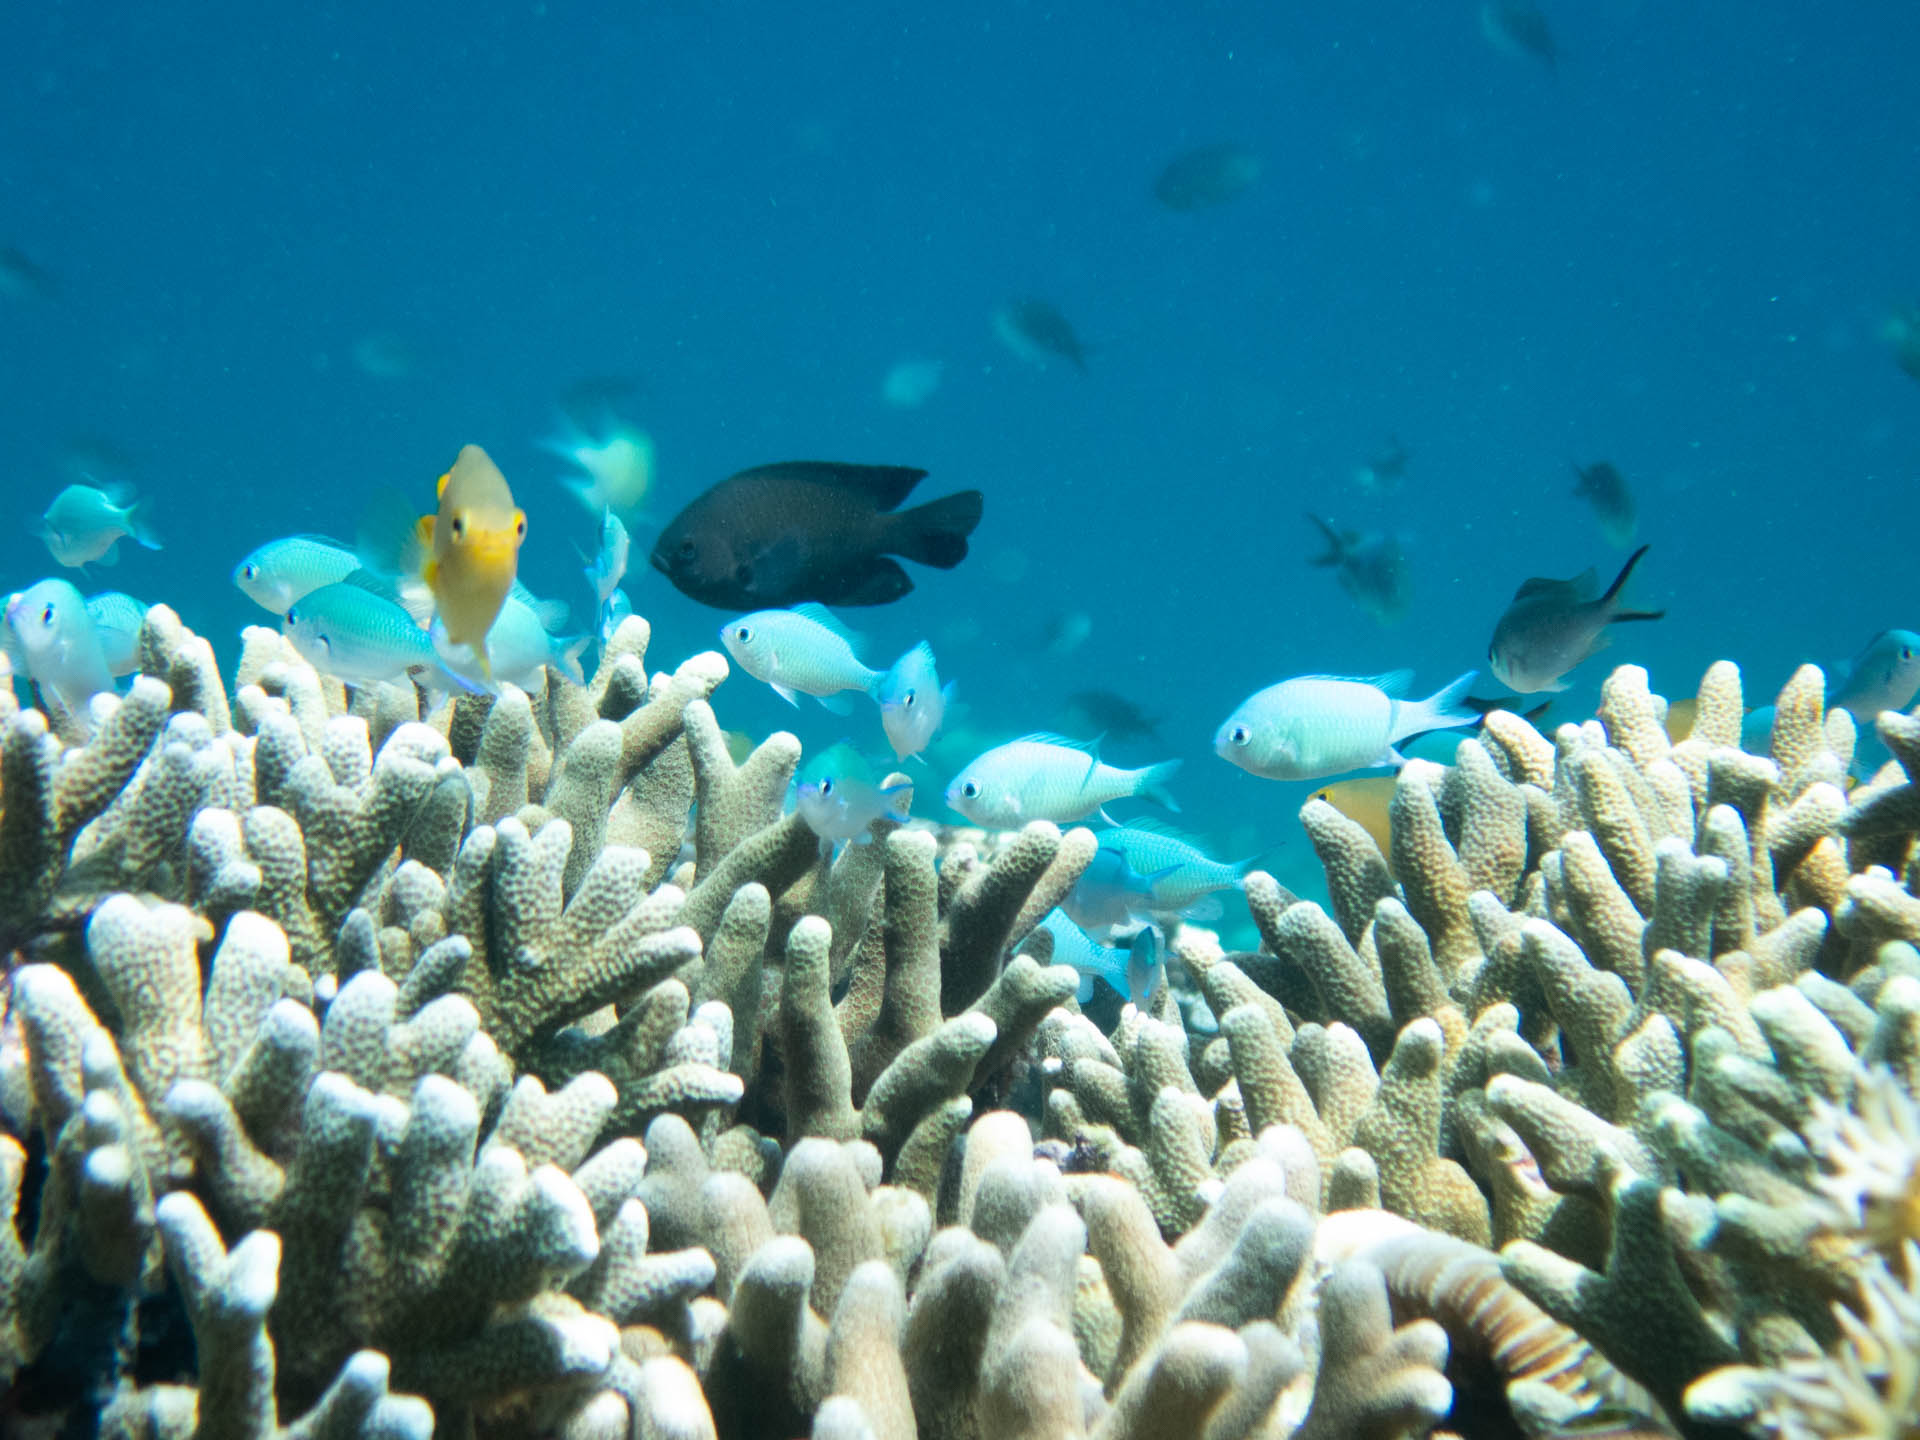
(292, 619)
(971, 790)
(826, 788)
(519, 527)
(907, 699)
(249, 571)
(1241, 735)
(1906, 652)
(687, 550)
(743, 633)
(459, 527)
(743, 574)
(46, 615)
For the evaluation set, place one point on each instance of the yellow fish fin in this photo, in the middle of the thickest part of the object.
(441, 488)
(486, 664)
(423, 530)
(429, 571)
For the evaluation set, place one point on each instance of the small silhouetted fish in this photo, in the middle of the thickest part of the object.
(21, 278)
(1517, 28)
(1066, 632)
(1373, 570)
(1553, 625)
(776, 535)
(1036, 331)
(1115, 716)
(1605, 489)
(1901, 330)
(1208, 176)
(1386, 469)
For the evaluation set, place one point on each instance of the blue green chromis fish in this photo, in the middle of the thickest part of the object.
(913, 703)
(84, 524)
(802, 651)
(117, 619)
(1048, 777)
(357, 636)
(280, 572)
(1132, 970)
(49, 627)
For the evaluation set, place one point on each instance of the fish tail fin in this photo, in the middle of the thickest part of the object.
(1153, 784)
(1335, 552)
(1620, 580)
(141, 528)
(1445, 707)
(936, 533)
(568, 658)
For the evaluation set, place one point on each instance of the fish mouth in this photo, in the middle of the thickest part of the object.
(658, 559)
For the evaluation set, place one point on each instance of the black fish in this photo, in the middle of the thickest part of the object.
(776, 535)
(1605, 489)
(1211, 175)
(1035, 329)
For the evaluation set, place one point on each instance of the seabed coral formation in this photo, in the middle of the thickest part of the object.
(520, 1070)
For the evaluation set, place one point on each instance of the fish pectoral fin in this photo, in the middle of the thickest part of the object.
(423, 527)
(839, 703)
(786, 693)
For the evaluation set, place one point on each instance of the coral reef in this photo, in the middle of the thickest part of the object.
(518, 1067)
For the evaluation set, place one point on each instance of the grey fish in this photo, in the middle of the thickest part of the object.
(1205, 177)
(1035, 331)
(1517, 28)
(775, 536)
(1372, 570)
(1553, 625)
(1113, 715)
(1603, 487)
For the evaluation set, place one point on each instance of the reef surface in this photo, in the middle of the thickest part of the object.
(521, 1069)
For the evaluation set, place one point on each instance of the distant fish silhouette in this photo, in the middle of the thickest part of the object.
(1037, 332)
(1518, 28)
(1208, 176)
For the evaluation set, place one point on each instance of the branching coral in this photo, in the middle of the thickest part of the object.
(519, 1067)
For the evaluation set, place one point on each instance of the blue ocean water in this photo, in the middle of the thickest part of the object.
(1674, 251)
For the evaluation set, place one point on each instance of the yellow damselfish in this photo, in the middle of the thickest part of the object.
(472, 546)
(1364, 800)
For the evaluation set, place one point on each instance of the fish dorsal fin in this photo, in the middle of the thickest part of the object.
(440, 487)
(1089, 748)
(374, 582)
(313, 537)
(1539, 587)
(819, 614)
(1165, 829)
(1393, 684)
(884, 486)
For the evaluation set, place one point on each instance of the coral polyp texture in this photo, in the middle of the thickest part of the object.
(517, 1067)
